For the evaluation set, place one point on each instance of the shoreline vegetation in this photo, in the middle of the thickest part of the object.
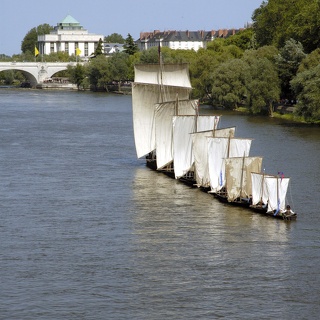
(282, 112)
(278, 114)
(258, 68)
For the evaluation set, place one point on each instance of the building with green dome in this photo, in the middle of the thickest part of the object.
(69, 36)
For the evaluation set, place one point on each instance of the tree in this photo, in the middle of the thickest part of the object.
(28, 56)
(263, 84)
(201, 70)
(229, 83)
(118, 68)
(243, 39)
(98, 73)
(98, 51)
(276, 21)
(61, 56)
(77, 74)
(305, 24)
(10, 77)
(7, 77)
(4, 57)
(225, 50)
(263, 25)
(288, 61)
(129, 45)
(132, 60)
(268, 52)
(310, 61)
(31, 38)
(114, 38)
(150, 56)
(205, 61)
(306, 86)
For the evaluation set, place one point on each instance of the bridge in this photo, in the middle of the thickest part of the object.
(36, 72)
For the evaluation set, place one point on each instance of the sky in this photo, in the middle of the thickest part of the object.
(106, 17)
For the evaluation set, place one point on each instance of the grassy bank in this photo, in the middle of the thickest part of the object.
(291, 117)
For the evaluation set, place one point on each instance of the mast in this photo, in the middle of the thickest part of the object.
(228, 149)
(262, 186)
(241, 181)
(161, 79)
(228, 153)
(176, 107)
(278, 200)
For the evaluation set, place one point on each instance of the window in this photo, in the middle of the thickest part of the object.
(51, 47)
(66, 47)
(86, 49)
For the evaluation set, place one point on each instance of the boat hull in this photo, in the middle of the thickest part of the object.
(238, 202)
(272, 214)
(152, 164)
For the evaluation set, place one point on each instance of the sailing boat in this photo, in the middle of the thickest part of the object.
(238, 187)
(183, 127)
(200, 152)
(158, 87)
(220, 149)
(164, 130)
(269, 195)
(176, 140)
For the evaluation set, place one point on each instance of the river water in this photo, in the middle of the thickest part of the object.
(88, 232)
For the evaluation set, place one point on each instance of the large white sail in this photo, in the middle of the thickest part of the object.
(200, 152)
(155, 84)
(238, 176)
(164, 130)
(220, 149)
(183, 127)
(171, 75)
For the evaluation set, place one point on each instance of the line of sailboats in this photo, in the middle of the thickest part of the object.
(179, 142)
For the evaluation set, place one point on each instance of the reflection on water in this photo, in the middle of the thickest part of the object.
(88, 232)
(193, 249)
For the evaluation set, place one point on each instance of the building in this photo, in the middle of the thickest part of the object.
(185, 40)
(68, 36)
(110, 48)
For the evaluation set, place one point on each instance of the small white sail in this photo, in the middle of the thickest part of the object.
(238, 176)
(269, 190)
(277, 190)
(259, 192)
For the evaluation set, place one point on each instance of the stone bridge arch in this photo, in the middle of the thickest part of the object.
(37, 72)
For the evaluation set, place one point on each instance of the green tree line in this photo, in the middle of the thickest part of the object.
(225, 75)
(276, 59)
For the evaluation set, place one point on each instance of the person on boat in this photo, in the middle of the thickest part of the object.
(288, 211)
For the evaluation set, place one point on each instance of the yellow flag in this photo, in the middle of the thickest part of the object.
(78, 52)
(36, 52)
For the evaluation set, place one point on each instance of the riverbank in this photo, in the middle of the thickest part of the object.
(61, 86)
(289, 116)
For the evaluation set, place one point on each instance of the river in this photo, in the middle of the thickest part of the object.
(88, 232)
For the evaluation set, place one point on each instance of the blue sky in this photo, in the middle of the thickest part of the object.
(125, 16)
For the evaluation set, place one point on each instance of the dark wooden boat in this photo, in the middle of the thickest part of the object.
(222, 197)
(261, 209)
